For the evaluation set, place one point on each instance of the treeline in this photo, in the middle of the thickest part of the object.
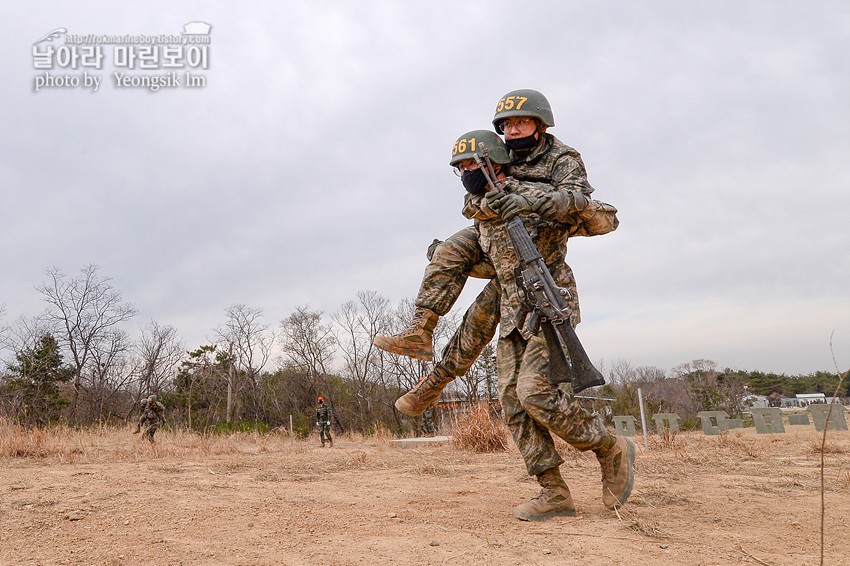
(701, 386)
(76, 363)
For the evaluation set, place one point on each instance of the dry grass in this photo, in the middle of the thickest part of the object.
(735, 442)
(479, 432)
(630, 518)
(429, 467)
(110, 443)
(816, 446)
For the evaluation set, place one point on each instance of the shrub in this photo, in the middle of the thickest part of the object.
(478, 431)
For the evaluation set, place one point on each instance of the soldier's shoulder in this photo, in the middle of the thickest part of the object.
(558, 148)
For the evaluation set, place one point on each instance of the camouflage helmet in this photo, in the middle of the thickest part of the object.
(469, 144)
(152, 398)
(523, 102)
(143, 402)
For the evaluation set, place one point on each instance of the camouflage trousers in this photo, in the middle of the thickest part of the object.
(533, 408)
(428, 421)
(479, 325)
(150, 430)
(325, 431)
(451, 263)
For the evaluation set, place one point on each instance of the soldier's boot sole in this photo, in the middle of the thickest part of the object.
(425, 394)
(417, 341)
(554, 501)
(424, 351)
(413, 405)
(525, 516)
(410, 405)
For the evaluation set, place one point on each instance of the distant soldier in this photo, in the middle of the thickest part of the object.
(323, 422)
(153, 415)
(428, 422)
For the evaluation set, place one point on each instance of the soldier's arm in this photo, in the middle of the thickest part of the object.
(475, 207)
(569, 174)
(570, 202)
(602, 220)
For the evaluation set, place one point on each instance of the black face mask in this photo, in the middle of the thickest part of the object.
(522, 144)
(474, 181)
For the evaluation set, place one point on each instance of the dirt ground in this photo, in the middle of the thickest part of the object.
(738, 498)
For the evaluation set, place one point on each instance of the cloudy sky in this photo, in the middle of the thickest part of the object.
(313, 164)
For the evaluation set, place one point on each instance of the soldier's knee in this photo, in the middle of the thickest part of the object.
(535, 402)
(512, 409)
(446, 255)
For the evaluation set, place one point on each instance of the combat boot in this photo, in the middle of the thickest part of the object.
(618, 474)
(425, 394)
(416, 341)
(554, 501)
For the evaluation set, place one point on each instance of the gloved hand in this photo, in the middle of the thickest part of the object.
(508, 205)
(560, 206)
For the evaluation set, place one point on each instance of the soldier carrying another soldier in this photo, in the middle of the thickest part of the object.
(547, 188)
(152, 417)
(532, 155)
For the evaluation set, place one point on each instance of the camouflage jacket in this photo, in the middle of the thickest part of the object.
(323, 414)
(552, 162)
(555, 163)
(152, 414)
(552, 166)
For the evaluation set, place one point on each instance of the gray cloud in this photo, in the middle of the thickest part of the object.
(314, 163)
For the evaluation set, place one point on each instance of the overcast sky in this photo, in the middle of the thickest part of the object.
(314, 163)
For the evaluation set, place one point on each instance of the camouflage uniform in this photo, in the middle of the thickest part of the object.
(153, 415)
(428, 421)
(532, 406)
(453, 261)
(323, 421)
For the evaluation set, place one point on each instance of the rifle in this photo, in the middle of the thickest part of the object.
(545, 304)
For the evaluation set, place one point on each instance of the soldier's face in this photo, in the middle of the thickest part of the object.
(518, 127)
(467, 165)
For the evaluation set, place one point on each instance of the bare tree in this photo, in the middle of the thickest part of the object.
(197, 371)
(248, 343)
(109, 374)
(309, 345)
(402, 372)
(704, 389)
(160, 353)
(22, 334)
(83, 310)
(480, 380)
(359, 322)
